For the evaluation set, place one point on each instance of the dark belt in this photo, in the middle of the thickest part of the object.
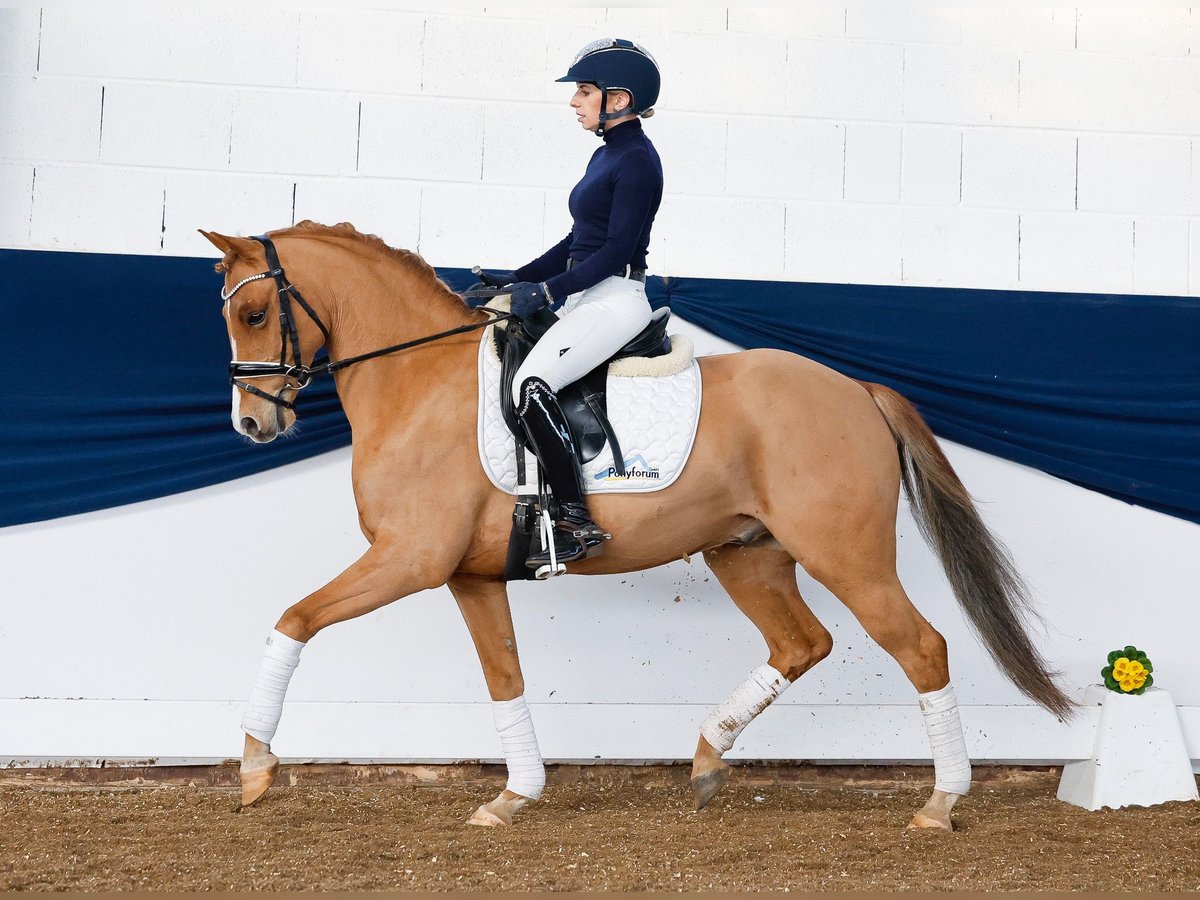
(626, 272)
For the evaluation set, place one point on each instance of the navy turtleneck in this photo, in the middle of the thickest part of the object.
(612, 209)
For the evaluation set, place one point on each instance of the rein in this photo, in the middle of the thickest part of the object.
(288, 335)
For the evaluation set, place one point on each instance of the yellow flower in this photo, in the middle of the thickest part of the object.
(1127, 684)
(1135, 668)
(1120, 667)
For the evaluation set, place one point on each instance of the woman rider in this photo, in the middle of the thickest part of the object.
(594, 277)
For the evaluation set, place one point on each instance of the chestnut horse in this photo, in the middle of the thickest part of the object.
(792, 463)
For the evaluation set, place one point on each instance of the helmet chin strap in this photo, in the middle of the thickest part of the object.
(605, 115)
(603, 112)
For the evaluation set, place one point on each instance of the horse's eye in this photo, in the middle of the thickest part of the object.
(256, 318)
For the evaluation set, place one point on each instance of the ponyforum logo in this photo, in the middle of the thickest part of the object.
(635, 467)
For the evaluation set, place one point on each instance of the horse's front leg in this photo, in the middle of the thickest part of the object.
(484, 605)
(383, 574)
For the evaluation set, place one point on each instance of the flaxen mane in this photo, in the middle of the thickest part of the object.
(413, 263)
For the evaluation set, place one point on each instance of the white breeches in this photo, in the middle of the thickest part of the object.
(735, 712)
(266, 699)
(592, 326)
(526, 773)
(951, 765)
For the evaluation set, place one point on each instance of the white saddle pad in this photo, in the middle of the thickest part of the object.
(654, 417)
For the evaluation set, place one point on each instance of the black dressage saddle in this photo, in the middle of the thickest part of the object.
(584, 401)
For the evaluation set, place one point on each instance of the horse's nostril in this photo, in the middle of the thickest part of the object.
(249, 425)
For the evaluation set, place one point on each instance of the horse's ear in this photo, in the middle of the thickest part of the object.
(232, 247)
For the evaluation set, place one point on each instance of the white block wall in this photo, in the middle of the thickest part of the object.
(1038, 149)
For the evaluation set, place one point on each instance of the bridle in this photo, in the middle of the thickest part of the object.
(301, 374)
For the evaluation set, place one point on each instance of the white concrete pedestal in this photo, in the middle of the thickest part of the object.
(1139, 758)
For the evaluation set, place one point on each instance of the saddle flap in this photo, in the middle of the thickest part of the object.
(583, 403)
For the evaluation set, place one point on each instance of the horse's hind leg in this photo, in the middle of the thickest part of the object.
(888, 616)
(857, 565)
(761, 579)
(484, 606)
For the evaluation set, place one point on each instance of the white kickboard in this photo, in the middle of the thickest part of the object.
(1139, 759)
(654, 418)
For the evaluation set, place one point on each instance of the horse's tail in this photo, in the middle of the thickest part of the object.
(979, 568)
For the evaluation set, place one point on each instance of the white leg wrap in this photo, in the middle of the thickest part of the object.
(951, 765)
(734, 713)
(266, 700)
(526, 773)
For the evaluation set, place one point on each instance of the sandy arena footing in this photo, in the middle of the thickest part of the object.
(348, 827)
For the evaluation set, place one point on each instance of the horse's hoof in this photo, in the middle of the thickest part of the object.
(934, 821)
(936, 813)
(709, 773)
(500, 811)
(708, 785)
(256, 781)
(485, 818)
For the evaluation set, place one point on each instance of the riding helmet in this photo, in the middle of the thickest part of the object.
(616, 64)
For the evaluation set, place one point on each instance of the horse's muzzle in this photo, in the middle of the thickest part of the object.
(256, 432)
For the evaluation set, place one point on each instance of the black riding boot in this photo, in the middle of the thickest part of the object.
(575, 534)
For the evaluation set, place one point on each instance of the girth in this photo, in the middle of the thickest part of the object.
(585, 401)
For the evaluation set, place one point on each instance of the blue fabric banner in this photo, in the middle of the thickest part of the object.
(1098, 389)
(116, 389)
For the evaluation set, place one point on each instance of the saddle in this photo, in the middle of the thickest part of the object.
(585, 401)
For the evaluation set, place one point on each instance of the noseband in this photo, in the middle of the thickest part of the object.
(288, 336)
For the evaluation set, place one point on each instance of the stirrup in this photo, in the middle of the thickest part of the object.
(544, 572)
(560, 546)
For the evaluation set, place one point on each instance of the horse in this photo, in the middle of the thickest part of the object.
(792, 463)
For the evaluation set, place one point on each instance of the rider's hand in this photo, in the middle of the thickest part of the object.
(528, 298)
(494, 279)
(487, 286)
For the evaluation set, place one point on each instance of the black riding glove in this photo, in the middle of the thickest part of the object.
(499, 278)
(528, 298)
(486, 285)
